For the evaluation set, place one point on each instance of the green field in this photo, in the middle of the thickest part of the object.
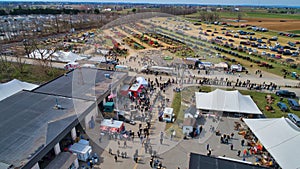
(295, 31)
(255, 14)
(176, 104)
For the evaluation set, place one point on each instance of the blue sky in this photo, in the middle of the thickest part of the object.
(214, 2)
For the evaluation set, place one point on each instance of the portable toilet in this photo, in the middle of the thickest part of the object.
(294, 75)
(109, 106)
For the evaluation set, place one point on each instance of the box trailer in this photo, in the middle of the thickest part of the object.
(83, 151)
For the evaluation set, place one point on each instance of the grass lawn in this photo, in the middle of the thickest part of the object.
(176, 104)
(31, 73)
(295, 31)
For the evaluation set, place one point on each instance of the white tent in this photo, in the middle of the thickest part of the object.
(56, 56)
(221, 65)
(14, 86)
(97, 59)
(68, 56)
(142, 81)
(229, 101)
(280, 137)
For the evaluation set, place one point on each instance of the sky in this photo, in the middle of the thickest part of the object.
(213, 2)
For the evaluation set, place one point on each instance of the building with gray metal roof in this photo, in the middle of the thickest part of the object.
(34, 122)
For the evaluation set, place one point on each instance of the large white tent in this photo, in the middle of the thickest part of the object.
(56, 56)
(229, 101)
(280, 137)
(14, 86)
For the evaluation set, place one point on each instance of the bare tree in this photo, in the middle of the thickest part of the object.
(239, 16)
(56, 24)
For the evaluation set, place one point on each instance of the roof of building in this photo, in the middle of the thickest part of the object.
(191, 110)
(198, 161)
(62, 161)
(189, 122)
(31, 125)
(83, 83)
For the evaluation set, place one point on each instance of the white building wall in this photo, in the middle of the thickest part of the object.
(89, 116)
(73, 133)
(57, 149)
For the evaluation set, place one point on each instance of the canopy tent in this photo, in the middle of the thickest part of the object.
(229, 101)
(136, 89)
(221, 65)
(14, 86)
(97, 59)
(142, 81)
(280, 137)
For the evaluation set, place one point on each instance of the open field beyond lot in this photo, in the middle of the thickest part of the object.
(277, 22)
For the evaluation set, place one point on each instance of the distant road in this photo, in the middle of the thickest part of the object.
(59, 65)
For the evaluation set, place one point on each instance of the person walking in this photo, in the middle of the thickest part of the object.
(135, 159)
(116, 158)
(125, 144)
(239, 153)
(100, 139)
(118, 153)
(151, 163)
(174, 134)
(242, 142)
(207, 147)
(231, 147)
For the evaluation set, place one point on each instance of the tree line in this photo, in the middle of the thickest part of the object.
(29, 11)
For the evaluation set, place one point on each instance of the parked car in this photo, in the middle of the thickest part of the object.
(294, 118)
(282, 106)
(291, 44)
(294, 104)
(285, 93)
